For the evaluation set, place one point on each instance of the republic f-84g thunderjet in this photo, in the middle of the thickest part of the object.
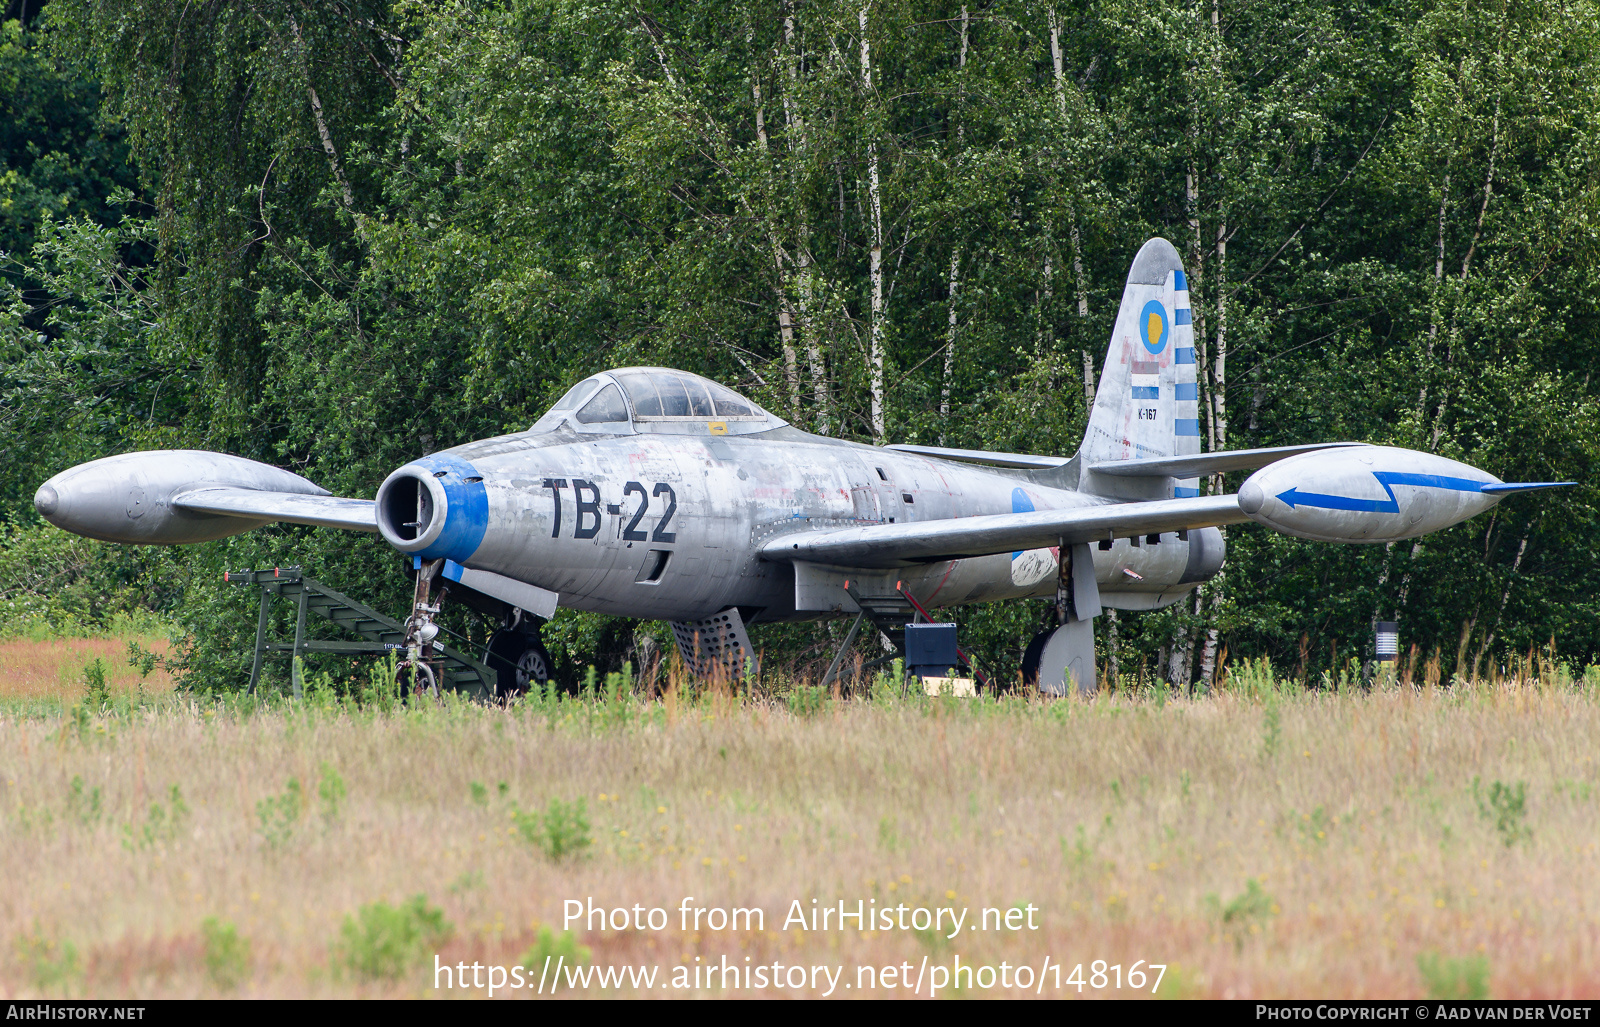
(654, 493)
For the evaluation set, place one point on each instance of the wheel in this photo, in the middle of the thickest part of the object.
(417, 678)
(1030, 657)
(518, 660)
(533, 668)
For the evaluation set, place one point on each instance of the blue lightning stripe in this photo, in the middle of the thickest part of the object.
(1186, 426)
(1181, 316)
(1187, 390)
(1020, 503)
(1179, 492)
(1294, 497)
(1146, 392)
(1184, 355)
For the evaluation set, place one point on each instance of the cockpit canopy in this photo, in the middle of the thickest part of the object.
(661, 400)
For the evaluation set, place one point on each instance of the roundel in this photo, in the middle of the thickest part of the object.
(1153, 326)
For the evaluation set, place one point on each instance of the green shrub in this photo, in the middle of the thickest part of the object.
(96, 694)
(560, 831)
(1271, 729)
(805, 700)
(558, 949)
(1244, 913)
(161, 823)
(227, 956)
(278, 814)
(331, 790)
(1254, 679)
(1454, 978)
(1507, 806)
(84, 805)
(53, 966)
(382, 942)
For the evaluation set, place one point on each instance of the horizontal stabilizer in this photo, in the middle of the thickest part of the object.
(899, 545)
(1200, 465)
(1505, 488)
(981, 456)
(290, 507)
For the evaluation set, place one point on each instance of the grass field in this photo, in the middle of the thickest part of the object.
(51, 668)
(1261, 841)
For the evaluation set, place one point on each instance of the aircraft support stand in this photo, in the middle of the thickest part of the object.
(849, 637)
(380, 634)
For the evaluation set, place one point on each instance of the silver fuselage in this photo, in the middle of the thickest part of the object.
(670, 526)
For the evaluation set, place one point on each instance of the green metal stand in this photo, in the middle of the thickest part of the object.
(382, 634)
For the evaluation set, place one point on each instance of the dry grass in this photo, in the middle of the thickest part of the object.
(52, 668)
(1135, 826)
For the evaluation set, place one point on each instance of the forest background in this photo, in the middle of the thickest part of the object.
(336, 235)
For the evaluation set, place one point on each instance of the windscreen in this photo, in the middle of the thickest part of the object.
(605, 408)
(662, 395)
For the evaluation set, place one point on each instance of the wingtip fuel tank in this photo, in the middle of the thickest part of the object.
(1370, 494)
(129, 498)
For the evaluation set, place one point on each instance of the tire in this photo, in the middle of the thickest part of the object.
(419, 680)
(1030, 658)
(533, 667)
(518, 660)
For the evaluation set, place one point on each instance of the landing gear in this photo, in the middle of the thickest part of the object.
(519, 660)
(417, 678)
(414, 674)
(1030, 659)
(1061, 659)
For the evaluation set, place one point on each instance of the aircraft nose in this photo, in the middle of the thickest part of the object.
(47, 500)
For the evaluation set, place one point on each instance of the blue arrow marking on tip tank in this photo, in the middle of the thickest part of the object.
(1293, 497)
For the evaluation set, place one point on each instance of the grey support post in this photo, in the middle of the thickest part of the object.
(299, 643)
(850, 636)
(261, 639)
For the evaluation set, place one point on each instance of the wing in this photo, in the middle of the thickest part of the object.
(293, 507)
(1202, 464)
(899, 545)
(983, 456)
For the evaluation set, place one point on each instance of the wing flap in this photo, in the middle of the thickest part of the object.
(1200, 465)
(290, 507)
(899, 545)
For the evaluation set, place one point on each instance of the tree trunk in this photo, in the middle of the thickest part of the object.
(791, 361)
(1505, 596)
(1451, 346)
(1113, 666)
(804, 273)
(949, 344)
(326, 136)
(955, 263)
(875, 335)
(1080, 282)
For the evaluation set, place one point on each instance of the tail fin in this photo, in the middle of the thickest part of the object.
(1148, 401)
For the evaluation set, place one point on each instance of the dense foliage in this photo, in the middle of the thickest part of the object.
(361, 230)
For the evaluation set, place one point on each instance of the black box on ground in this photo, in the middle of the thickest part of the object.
(931, 649)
